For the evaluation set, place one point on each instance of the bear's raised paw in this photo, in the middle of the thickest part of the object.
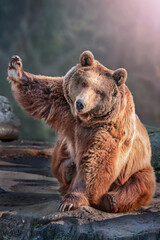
(15, 69)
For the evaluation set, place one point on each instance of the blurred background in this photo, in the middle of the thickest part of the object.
(49, 36)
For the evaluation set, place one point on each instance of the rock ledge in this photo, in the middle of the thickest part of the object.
(85, 223)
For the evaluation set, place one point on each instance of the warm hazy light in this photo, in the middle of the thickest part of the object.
(150, 12)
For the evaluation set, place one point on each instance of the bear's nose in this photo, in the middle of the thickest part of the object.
(80, 105)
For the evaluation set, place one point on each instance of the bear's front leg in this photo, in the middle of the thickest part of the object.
(41, 96)
(95, 176)
(76, 197)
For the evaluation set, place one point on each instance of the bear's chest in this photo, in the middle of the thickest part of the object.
(80, 141)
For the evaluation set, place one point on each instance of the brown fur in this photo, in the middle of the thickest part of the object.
(102, 156)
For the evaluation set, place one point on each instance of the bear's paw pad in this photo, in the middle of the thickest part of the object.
(15, 68)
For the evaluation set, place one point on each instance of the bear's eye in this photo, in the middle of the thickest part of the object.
(98, 92)
(84, 84)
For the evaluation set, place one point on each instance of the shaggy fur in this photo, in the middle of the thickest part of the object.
(102, 155)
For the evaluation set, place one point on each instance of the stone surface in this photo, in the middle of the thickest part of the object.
(26, 181)
(29, 198)
(9, 123)
(154, 134)
(84, 223)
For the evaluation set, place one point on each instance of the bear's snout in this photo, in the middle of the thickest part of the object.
(80, 105)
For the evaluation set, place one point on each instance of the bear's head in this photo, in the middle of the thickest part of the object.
(92, 90)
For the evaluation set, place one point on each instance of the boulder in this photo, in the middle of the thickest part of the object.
(85, 223)
(154, 134)
(9, 123)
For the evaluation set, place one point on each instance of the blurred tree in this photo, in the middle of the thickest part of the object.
(49, 35)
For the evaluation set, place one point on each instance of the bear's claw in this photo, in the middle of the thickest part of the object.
(16, 60)
(70, 207)
(16, 57)
(72, 201)
(65, 207)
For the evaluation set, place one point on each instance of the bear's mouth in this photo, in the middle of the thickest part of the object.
(84, 116)
(91, 115)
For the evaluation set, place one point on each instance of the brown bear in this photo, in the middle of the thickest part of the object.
(102, 157)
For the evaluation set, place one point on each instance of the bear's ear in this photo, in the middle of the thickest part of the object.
(120, 76)
(86, 59)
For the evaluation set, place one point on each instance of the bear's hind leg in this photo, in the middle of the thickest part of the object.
(135, 192)
(63, 167)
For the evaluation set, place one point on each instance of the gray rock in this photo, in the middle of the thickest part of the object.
(9, 123)
(154, 134)
(84, 223)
